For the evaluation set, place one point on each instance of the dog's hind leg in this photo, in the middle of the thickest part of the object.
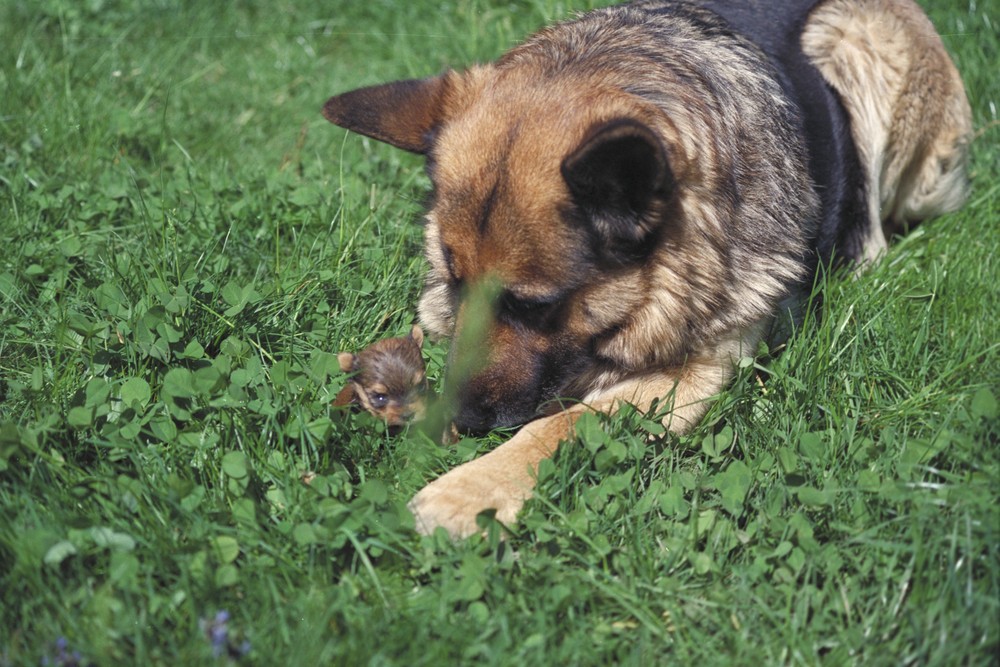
(910, 118)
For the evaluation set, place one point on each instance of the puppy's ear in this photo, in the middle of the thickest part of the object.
(403, 113)
(417, 335)
(346, 361)
(615, 175)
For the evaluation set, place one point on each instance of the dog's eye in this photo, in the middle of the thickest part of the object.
(379, 400)
(525, 308)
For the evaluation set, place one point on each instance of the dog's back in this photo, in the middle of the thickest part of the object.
(884, 112)
(776, 27)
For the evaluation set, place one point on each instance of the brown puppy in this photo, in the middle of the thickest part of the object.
(387, 379)
(644, 189)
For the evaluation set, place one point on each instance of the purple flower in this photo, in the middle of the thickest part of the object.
(63, 657)
(217, 633)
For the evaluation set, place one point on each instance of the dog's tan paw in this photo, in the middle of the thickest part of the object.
(453, 501)
(501, 480)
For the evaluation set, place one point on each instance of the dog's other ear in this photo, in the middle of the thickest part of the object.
(346, 361)
(615, 175)
(403, 113)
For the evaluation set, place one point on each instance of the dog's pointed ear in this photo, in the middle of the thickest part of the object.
(615, 175)
(403, 113)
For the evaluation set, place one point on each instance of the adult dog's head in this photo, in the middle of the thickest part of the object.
(572, 239)
(543, 207)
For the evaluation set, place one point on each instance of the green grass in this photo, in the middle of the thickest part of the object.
(188, 244)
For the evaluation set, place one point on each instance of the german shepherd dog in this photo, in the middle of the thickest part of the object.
(646, 187)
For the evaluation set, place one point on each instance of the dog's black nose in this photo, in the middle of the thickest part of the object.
(484, 403)
(474, 419)
(478, 417)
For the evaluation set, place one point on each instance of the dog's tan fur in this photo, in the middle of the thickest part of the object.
(511, 144)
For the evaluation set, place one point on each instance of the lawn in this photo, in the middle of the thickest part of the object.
(187, 246)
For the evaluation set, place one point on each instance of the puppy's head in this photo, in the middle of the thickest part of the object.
(388, 378)
(548, 197)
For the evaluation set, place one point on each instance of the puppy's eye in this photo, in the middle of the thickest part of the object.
(379, 400)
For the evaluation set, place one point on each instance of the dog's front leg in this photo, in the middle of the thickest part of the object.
(504, 478)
